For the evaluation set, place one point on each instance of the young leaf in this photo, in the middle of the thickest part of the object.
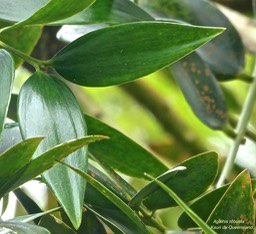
(219, 52)
(6, 80)
(54, 10)
(112, 199)
(108, 12)
(121, 153)
(48, 108)
(122, 53)
(184, 206)
(234, 212)
(188, 184)
(201, 90)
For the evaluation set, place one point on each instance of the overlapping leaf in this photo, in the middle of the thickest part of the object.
(225, 54)
(48, 108)
(121, 153)
(201, 90)
(187, 184)
(6, 80)
(123, 53)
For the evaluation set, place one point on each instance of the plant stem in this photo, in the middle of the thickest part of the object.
(241, 130)
(37, 64)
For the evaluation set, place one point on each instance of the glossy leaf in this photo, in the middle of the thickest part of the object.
(17, 10)
(234, 212)
(136, 49)
(188, 184)
(48, 159)
(11, 136)
(201, 90)
(18, 38)
(135, 224)
(6, 80)
(55, 10)
(108, 12)
(224, 54)
(48, 108)
(21, 228)
(121, 153)
(202, 207)
(15, 159)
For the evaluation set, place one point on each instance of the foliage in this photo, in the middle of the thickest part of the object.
(50, 134)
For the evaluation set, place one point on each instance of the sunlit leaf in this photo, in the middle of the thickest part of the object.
(136, 49)
(201, 90)
(121, 153)
(234, 212)
(48, 108)
(6, 80)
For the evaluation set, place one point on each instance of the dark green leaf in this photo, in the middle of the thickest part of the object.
(201, 90)
(48, 108)
(133, 223)
(121, 153)
(52, 11)
(225, 54)
(15, 159)
(18, 38)
(119, 54)
(188, 184)
(203, 207)
(108, 12)
(55, 225)
(22, 228)
(152, 186)
(234, 212)
(6, 80)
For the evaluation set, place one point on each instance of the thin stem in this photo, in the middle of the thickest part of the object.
(37, 64)
(241, 130)
(242, 123)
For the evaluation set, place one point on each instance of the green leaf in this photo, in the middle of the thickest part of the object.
(18, 38)
(55, 114)
(201, 171)
(17, 10)
(201, 90)
(122, 53)
(6, 80)
(54, 10)
(152, 186)
(184, 206)
(14, 160)
(21, 228)
(48, 159)
(202, 207)
(219, 52)
(121, 153)
(108, 12)
(55, 225)
(112, 199)
(234, 212)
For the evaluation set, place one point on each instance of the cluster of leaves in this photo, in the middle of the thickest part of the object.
(50, 136)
